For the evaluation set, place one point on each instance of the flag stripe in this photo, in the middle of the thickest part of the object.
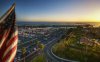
(6, 33)
(3, 43)
(9, 47)
(12, 37)
(8, 36)
(9, 54)
(12, 40)
(13, 56)
(8, 12)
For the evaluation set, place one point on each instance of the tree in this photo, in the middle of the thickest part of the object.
(23, 53)
(41, 46)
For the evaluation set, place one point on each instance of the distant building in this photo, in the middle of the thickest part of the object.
(87, 41)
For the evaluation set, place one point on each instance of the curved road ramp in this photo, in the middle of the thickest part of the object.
(50, 56)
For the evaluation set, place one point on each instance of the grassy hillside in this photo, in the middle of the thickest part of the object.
(70, 48)
(39, 58)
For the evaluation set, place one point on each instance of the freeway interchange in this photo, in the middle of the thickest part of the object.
(49, 54)
(27, 39)
(48, 36)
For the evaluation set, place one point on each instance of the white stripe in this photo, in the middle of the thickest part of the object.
(3, 39)
(12, 56)
(10, 47)
(7, 14)
(13, 35)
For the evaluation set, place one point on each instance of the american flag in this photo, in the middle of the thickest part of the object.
(8, 36)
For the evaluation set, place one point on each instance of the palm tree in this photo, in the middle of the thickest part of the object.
(23, 53)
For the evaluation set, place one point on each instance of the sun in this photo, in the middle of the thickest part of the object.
(95, 16)
(98, 19)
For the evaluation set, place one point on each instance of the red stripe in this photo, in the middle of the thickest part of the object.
(0, 36)
(3, 47)
(14, 56)
(12, 40)
(9, 54)
(6, 34)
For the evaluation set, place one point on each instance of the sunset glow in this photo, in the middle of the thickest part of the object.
(57, 10)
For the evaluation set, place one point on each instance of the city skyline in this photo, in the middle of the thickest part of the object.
(54, 10)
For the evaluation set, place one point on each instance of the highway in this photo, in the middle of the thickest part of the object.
(49, 54)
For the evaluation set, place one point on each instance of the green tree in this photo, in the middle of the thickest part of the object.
(23, 53)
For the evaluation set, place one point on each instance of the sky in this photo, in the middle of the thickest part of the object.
(54, 10)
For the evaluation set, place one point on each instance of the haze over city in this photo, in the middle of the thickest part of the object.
(49, 30)
(55, 10)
